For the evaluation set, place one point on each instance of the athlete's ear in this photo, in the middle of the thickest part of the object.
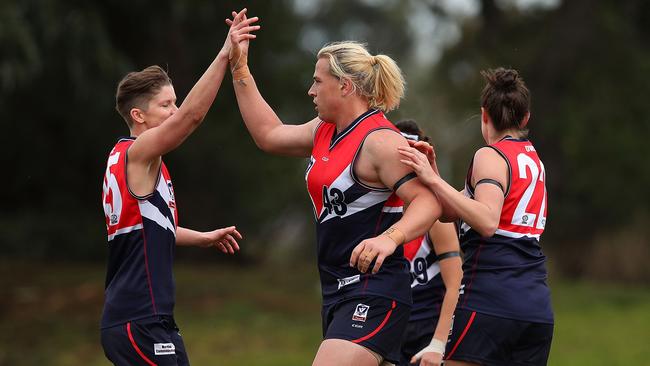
(347, 87)
(137, 116)
(524, 121)
(484, 116)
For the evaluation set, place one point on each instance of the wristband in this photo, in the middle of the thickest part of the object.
(241, 73)
(238, 65)
(395, 235)
(436, 346)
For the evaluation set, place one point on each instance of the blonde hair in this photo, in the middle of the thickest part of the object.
(377, 78)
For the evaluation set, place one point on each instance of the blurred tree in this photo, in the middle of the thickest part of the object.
(63, 61)
(587, 66)
(586, 63)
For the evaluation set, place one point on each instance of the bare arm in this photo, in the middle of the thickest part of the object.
(155, 142)
(444, 239)
(144, 155)
(483, 212)
(223, 239)
(379, 163)
(448, 214)
(267, 130)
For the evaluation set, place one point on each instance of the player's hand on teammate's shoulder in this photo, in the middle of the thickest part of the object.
(422, 163)
(427, 149)
(224, 239)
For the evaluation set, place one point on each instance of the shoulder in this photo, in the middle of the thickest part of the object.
(383, 138)
(489, 163)
(489, 156)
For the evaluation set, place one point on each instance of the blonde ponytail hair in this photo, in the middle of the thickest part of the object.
(377, 78)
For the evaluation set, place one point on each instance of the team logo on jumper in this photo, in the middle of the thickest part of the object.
(348, 280)
(360, 313)
(164, 349)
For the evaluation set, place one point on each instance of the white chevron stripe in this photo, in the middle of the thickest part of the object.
(369, 199)
(393, 209)
(124, 230)
(152, 213)
(512, 234)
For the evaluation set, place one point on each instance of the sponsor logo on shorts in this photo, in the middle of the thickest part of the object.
(164, 349)
(360, 313)
(348, 280)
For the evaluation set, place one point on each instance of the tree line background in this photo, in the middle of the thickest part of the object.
(587, 64)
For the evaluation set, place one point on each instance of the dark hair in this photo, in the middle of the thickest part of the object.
(506, 99)
(137, 88)
(409, 126)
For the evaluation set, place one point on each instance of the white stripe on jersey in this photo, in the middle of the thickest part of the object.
(423, 251)
(432, 272)
(512, 234)
(343, 182)
(393, 209)
(124, 230)
(152, 213)
(464, 228)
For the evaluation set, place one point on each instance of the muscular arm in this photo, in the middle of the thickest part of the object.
(379, 165)
(422, 207)
(267, 130)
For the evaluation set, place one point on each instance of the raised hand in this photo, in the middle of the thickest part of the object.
(239, 39)
(236, 43)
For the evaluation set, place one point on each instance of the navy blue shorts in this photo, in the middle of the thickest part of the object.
(490, 340)
(147, 342)
(417, 336)
(374, 322)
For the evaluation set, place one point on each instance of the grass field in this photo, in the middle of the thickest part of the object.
(231, 315)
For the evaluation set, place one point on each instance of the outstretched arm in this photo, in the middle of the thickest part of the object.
(224, 239)
(268, 131)
(445, 244)
(483, 212)
(158, 141)
(144, 155)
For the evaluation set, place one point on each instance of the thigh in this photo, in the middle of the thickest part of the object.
(141, 343)
(373, 322)
(534, 345)
(343, 353)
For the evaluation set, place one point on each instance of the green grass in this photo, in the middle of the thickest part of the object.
(231, 315)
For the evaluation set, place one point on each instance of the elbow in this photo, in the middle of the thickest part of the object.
(487, 230)
(195, 119)
(263, 145)
(188, 120)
